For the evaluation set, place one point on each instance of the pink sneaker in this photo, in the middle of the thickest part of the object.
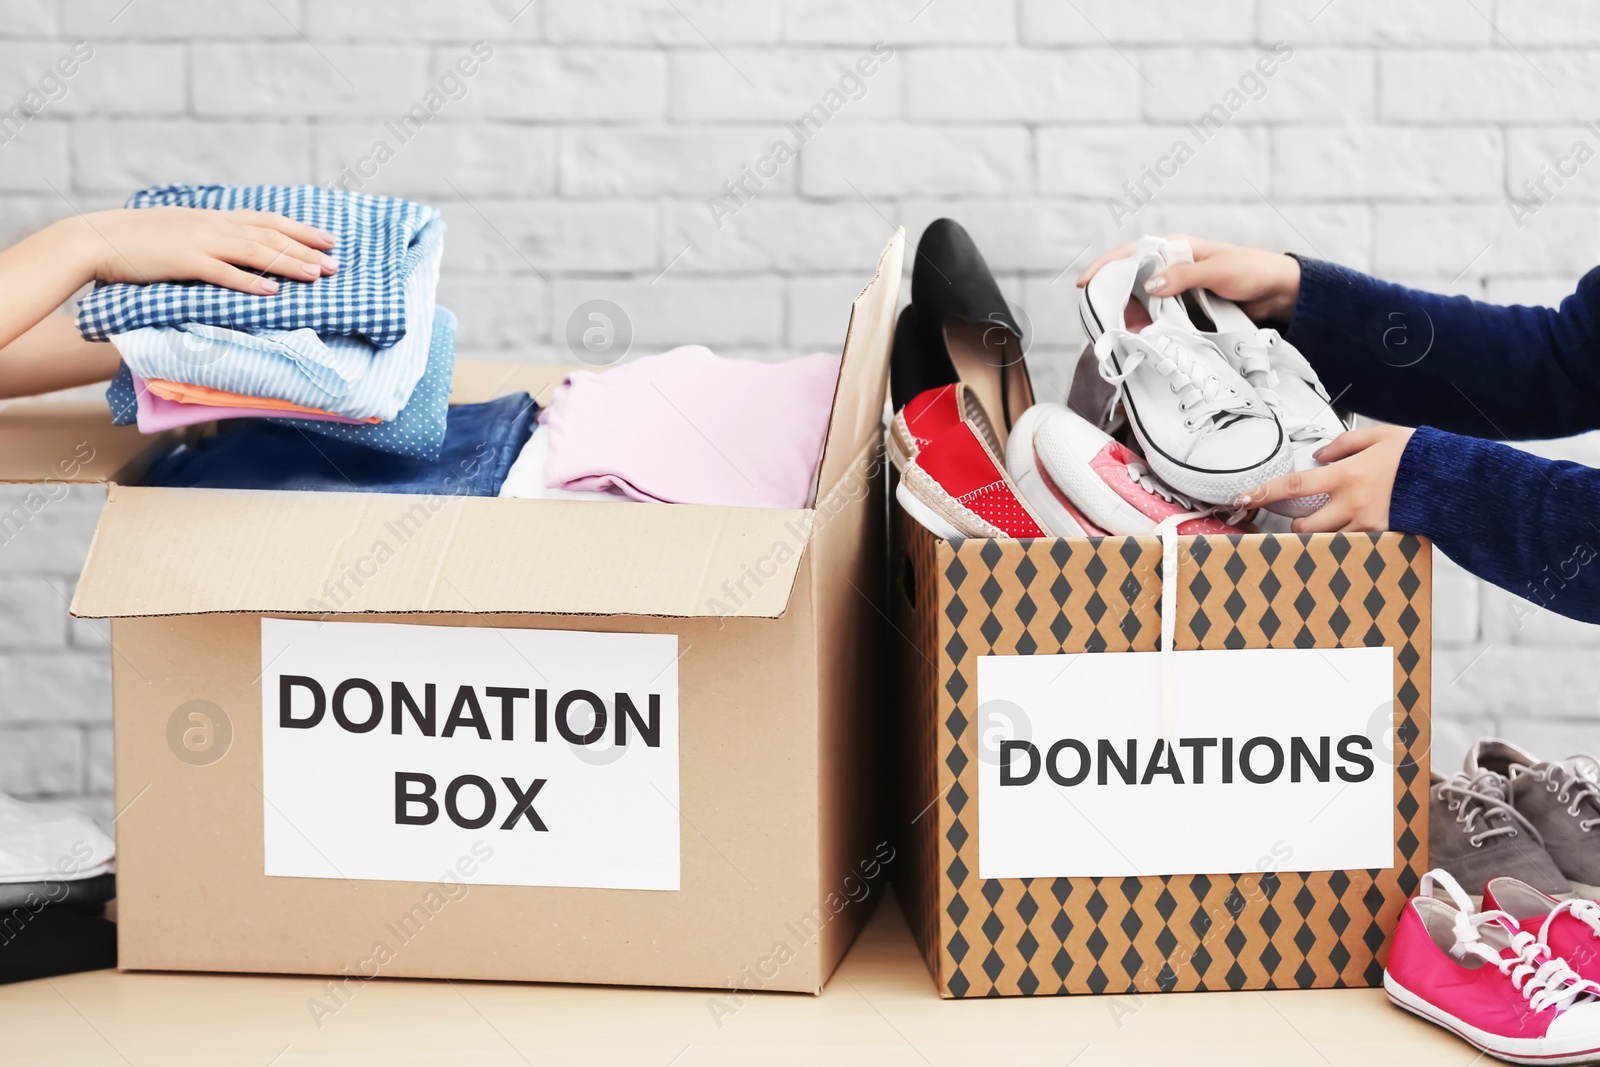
(1083, 483)
(1570, 928)
(1490, 982)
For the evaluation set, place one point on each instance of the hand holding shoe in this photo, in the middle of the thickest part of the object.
(1265, 284)
(1358, 476)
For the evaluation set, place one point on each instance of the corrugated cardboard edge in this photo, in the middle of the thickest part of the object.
(848, 549)
(45, 440)
(162, 551)
(914, 591)
(856, 422)
(854, 689)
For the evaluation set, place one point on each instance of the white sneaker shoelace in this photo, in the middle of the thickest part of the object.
(1140, 475)
(1571, 789)
(1181, 358)
(1586, 911)
(1480, 806)
(1260, 369)
(1544, 980)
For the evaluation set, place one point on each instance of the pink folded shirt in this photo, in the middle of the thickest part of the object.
(156, 414)
(690, 427)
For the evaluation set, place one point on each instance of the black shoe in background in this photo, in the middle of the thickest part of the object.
(958, 327)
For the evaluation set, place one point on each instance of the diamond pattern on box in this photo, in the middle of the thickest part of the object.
(959, 601)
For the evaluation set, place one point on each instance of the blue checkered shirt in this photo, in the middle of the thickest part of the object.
(377, 248)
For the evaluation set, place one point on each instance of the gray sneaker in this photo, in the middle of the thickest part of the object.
(1475, 834)
(1559, 798)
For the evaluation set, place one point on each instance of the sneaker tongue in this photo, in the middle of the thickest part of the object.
(1492, 784)
(1168, 311)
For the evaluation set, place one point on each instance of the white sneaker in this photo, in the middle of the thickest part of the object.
(1203, 429)
(1083, 483)
(1280, 375)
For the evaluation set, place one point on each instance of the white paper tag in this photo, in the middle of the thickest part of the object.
(555, 749)
(1279, 760)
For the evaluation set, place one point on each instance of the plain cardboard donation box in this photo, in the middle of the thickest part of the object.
(363, 734)
(1092, 815)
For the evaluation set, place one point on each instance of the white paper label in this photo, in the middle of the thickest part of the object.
(388, 751)
(1276, 760)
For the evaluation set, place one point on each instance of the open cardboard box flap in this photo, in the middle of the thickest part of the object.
(856, 423)
(187, 551)
(47, 440)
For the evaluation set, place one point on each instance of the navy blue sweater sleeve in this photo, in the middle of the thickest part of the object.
(1410, 357)
(1475, 370)
(1526, 524)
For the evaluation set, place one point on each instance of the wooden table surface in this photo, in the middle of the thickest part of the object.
(879, 1009)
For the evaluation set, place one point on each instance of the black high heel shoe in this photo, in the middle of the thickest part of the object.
(958, 328)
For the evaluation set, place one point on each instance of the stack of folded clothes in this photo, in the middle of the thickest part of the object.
(347, 356)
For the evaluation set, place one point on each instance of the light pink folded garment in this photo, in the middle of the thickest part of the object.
(690, 427)
(157, 414)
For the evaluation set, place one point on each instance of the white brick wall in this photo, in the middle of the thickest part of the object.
(580, 159)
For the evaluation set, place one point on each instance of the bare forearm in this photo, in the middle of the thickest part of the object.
(53, 355)
(40, 273)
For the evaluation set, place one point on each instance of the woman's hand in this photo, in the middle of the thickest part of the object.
(180, 244)
(1264, 284)
(1358, 478)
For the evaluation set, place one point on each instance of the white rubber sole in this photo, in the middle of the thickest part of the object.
(1067, 448)
(1022, 465)
(1212, 488)
(1042, 499)
(1301, 506)
(935, 523)
(1572, 1050)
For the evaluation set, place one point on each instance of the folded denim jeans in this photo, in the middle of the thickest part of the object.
(481, 441)
(377, 249)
